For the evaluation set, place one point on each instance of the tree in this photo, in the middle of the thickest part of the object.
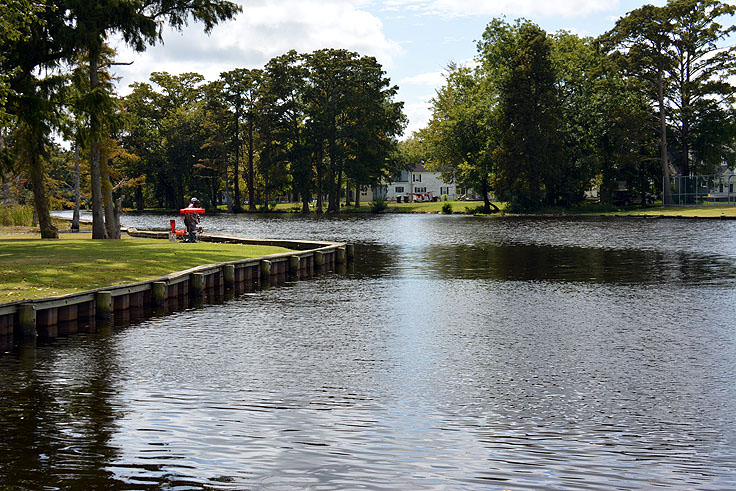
(29, 58)
(343, 92)
(140, 24)
(577, 64)
(284, 82)
(700, 73)
(17, 17)
(463, 132)
(240, 87)
(676, 49)
(529, 153)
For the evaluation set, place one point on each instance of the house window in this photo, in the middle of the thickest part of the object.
(399, 189)
(416, 177)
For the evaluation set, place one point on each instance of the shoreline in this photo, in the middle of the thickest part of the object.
(48, 318)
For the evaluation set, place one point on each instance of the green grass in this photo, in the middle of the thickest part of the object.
(36, 268)
(685, 211)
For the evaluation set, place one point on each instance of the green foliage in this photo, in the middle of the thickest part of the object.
(447, 207)
(463, 132)
(16, 215)
(530, 155)
(378, 205)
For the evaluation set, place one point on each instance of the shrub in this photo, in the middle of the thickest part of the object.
(378, 205)
(447, 208)
(16, 216)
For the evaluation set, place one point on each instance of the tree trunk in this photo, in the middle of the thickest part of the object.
(348, 197)
(319, 183)
(139, 202)
(40, 199)
(251, 171)
(236, 174)
(666, 189)
(357, 195)
(112, 223)
(98, 220)
(77, 197)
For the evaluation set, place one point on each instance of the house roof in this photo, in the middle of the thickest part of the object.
(417, 167)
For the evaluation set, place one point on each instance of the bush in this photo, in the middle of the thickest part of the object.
(447, 208)
(16, 216)
(378, 205)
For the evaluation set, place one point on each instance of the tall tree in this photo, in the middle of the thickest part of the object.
(284, 82)
(29, 57)
(529, 154)
(677, 48)
(463, 132)
(700, 72)
(242, 89)
(343, 90)
(140, 23)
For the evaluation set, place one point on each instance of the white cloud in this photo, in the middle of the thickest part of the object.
(265, 29)
(431, 79)
(463, 8)
(419, 114)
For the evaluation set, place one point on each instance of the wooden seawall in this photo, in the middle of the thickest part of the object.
(50, 317)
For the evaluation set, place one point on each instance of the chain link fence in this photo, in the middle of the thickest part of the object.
(714, 189)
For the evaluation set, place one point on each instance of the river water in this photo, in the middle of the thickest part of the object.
(460, 352)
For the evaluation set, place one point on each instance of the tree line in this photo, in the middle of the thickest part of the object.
(304, 124)
(539, 118)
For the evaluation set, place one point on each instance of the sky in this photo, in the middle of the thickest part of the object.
(414, 40)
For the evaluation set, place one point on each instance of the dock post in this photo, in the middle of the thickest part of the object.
(294, 264)
(27, 320)
(103, 305)
(197, 284)
(340, 255)
(350, 251)
(265, 268)
(228, 275)
(158, 293)
(319, 259)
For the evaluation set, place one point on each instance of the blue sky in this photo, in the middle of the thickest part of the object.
(413, 39)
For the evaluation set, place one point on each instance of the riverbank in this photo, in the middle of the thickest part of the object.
(36, 268)
(474, 207)
(48, 281)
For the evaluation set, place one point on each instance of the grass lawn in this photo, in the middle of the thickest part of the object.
(685, 211)
(36, 268)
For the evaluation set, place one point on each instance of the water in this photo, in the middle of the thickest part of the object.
(462, 352)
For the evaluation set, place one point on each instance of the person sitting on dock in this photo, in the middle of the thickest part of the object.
(191, 220)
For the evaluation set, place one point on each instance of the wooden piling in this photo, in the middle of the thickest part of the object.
(265, 268)
(340, 255)
(103, 305)
(319, 259)
(197, 282)
(228, 275)
(294, 264)
(158, 293)
(350, 251)
(27, 320)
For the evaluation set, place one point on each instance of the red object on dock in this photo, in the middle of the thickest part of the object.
(174, 230)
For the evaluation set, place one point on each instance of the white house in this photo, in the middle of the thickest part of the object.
(416, 181)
